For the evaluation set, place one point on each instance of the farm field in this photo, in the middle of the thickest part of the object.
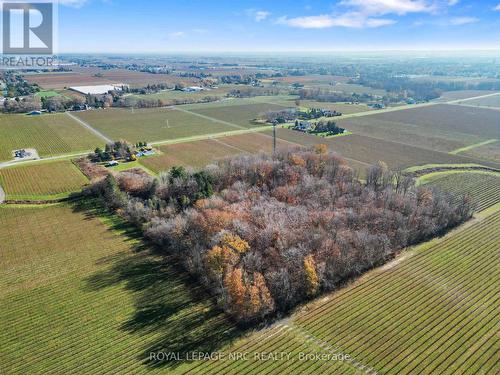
(451, 78)
(242, 115)
(152, 124)
(369, 150)
(79, 296)
(49, 134)
(483, 187)
(281, 100)
(48, 180)
(440, 127)
(197, 154)
(490, 101)
(408, 133)
(47, 94)
(58, 81)
(181, 95)
(462, 94)
(448, 118)
(311, 78)
(295, 353)
(433, 310)
(95, 76)
(141, 79)
(101, 292)
(490, 151)
(344, 108)
(350, 88)
(359, 151)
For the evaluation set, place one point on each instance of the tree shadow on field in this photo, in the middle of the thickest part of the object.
(169, 306)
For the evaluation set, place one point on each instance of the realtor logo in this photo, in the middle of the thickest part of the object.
(28, 28)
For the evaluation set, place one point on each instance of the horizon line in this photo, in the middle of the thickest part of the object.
(496, 49)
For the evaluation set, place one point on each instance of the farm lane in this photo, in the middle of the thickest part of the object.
(207, 117)
(473, 146)
(88, 126)
(472, 98)
(208, 136)
(2, 195)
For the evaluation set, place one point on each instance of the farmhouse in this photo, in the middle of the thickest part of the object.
(80, 107)
(193, 89)
(98, 89)
(303, 126)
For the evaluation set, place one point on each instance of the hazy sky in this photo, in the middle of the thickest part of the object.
(194, 25)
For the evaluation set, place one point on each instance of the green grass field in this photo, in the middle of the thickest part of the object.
(49, 134)
(42, 181)
(47, 94)
(483, 187)
(151, 125)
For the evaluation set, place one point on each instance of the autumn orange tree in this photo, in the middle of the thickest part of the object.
(264, 233)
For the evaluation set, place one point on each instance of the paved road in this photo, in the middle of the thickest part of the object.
(2, 195)
(89, 127)
(64, 156)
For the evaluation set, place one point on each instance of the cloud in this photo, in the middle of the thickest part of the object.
(497, 7)
(373, 13)
(378, 22)
(458, 21)
(366, 13)
(380, 7)
(261, 15)
(258, 15)
(73, 3)
(310, 22)
(176, 35)
(352, 20)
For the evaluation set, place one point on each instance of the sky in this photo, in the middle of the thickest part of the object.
(151, 26)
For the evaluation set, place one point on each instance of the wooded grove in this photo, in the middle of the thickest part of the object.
(264, 233)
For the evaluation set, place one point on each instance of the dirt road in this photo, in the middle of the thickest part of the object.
(89, 127)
